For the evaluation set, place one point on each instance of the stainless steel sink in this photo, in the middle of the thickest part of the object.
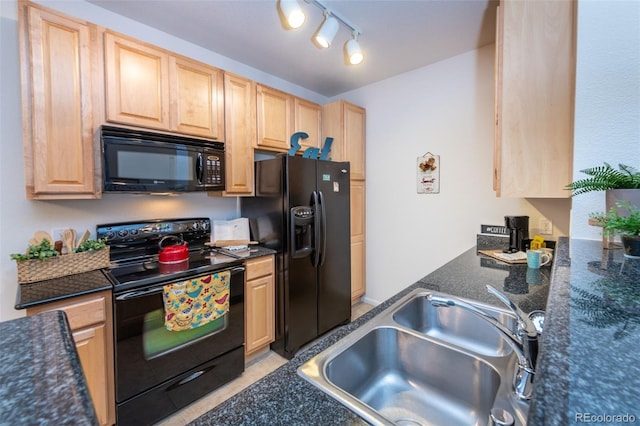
(415, 381)
(456, 325)
(412, 366)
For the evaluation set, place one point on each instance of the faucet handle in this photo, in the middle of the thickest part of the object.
(524, 323)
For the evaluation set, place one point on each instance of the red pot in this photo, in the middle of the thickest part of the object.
(175, 253)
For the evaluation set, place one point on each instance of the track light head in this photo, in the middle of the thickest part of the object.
(354, 53)
(293, 14)
(327, 31)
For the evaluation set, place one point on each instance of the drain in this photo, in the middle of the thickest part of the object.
(407, 422)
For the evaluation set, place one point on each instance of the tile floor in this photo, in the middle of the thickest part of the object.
(256, 368)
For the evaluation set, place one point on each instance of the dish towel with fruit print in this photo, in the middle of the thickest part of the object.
(191, 303)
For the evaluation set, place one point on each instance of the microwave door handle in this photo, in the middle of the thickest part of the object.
(199, 168)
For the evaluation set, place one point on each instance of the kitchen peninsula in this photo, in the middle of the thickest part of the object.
(565, 384)
(42, 379)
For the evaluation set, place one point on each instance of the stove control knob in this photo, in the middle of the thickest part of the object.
(195, 226)
(110, 235)
(134, 232)
(122, 233)
(204, 225)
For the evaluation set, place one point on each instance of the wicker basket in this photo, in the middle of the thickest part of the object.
(33, 270)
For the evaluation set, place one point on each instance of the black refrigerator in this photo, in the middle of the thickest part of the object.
(302, 210)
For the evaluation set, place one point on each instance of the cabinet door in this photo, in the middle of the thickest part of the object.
(307, 118)
(240, 124)
(535, 88)
(90, 344)
(358, 226)
(345, 123)
(137, 83)
(57, 97)
(259, 303)
(260, 320)
(354, 139)
(275, 118)
(196, 98)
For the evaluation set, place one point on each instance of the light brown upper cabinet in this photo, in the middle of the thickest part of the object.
(137, 83)
(275, 118)
(197, 100)
(345, 123)
(58, 57)
(534, 100)
(308, 119)
(240, 124)
(281, 114)
(149, 87)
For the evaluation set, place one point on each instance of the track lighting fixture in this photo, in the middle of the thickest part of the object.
(295, 17)
(327, 31)
(354, 53)
(292, 13)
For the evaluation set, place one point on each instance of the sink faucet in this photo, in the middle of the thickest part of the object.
(523, 340)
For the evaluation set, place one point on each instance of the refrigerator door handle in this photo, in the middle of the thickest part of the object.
(317, 228)
(323, 224)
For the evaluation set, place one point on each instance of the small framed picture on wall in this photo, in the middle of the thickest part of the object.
(428, 174)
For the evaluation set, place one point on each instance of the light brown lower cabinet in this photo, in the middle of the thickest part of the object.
(90, 318)
(259, 300)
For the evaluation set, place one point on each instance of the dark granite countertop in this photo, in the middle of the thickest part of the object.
(41, 376)
(283, 397)
(40, 292)
(589, 366)
(588, 369)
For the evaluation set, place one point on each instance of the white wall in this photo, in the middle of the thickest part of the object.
(446, 109)
(607, 116)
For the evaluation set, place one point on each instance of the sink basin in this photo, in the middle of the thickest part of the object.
(409, 380)
(414, 364)
(456, 325)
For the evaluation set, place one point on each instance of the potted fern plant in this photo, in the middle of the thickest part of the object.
(622, 183)
(627, 225)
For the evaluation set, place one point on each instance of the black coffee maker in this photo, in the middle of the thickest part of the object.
(518, 232)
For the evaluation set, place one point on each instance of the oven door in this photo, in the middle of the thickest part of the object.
(147, 354)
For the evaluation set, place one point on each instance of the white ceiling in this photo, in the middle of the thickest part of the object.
(397, 35)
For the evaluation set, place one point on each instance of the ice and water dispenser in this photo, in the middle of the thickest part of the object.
(302, 238)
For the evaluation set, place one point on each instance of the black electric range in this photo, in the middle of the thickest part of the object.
(134, 248)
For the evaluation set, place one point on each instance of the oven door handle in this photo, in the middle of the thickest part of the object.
(139, 293)
(158, 289)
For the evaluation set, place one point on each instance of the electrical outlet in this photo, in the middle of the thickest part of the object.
(546, 226)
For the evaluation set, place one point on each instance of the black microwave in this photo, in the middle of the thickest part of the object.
(140, 161)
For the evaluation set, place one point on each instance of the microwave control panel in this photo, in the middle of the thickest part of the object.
(213, 170)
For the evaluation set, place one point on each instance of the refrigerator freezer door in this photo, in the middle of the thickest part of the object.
(301, 307)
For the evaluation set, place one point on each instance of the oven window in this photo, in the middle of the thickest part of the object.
(158, 341)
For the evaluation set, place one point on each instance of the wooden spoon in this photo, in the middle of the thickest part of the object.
(83, 238)
(42, 235)
(68, 240)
